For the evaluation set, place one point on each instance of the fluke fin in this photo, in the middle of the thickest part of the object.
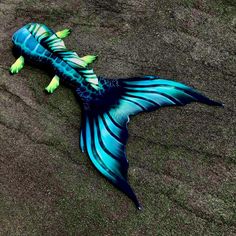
(104, 129)
(104, 140)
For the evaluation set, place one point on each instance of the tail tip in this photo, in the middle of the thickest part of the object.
(220, 104)
(140, 208)
(215, 103)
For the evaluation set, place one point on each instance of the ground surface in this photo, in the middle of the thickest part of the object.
(182, 160)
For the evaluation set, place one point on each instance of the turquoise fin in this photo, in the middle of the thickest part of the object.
(104, 129)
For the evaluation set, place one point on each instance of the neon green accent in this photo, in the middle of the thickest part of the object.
(63, 34)
(53, 84)
(18, 65)
(89, 58)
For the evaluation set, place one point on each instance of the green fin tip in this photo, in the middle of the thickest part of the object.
(63, 33)
(18, 65)
(53, 84)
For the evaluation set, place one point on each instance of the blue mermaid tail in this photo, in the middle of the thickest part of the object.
(107, 103)
(104, 132)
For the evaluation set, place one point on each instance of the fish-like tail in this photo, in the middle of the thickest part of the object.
(104, 128)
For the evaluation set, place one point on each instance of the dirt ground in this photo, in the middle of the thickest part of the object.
(182, 160)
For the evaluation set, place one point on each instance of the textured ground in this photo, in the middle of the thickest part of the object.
(182, 160)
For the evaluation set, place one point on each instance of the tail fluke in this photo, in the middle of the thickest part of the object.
(104, 129)
(105, 143)
(151, 92)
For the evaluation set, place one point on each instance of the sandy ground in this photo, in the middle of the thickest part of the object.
(182, 160)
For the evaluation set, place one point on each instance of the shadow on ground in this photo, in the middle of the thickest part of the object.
(182, 160)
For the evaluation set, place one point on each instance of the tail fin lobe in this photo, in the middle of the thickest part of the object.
(104, 130)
